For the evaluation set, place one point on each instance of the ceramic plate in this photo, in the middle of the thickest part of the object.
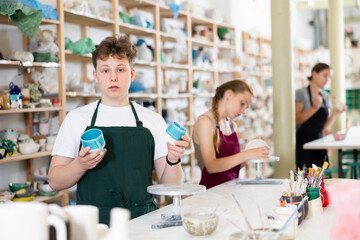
(256, 143)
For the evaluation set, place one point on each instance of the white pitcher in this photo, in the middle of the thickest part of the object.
(29, 220)
(83, 222)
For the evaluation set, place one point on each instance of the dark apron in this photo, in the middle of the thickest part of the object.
(311, 130)
(121, 178)
(229, 145)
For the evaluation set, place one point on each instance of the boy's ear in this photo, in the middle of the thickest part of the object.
(133, 73)
(95, 76)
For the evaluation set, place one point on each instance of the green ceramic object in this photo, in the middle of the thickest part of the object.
(17, 186)
(313, 192)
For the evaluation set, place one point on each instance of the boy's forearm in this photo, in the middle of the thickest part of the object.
(172, 174)
(63, 176)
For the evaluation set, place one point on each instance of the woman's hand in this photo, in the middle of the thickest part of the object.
(316, 102)
(337, 111)
(177, 150)
(89, 160)
(258, 153)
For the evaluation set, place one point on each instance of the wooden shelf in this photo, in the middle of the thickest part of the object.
(74, 17)
(5, 20)
(137, 4)
(9, 63)
(141, 63)
(167, 37)
(24, 157)
(175, 66)
(27, 110)
(225, 25)
(166, 12)
(62, 195)
(201, 20)
(203, 95)
(226, 47)
(201, 43)
(77, 57)
(136, 30)
(197, 69)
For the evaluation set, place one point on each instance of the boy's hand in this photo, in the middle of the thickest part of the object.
(89, 160)
(177, 150)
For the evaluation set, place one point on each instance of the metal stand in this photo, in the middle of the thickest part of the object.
(176, 191)
(259, 179)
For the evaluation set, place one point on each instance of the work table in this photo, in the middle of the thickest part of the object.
(220, 198)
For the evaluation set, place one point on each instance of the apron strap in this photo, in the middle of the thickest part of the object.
(93, 119)
(310, 96)
(138, 122)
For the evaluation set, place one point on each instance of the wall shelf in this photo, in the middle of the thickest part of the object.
(27, 110)
(24, 157)
(91, 21)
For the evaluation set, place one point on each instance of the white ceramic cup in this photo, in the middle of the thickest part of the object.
(44, 128)
(83, 221)
(315, 207)
(29, 220)
(119, 223)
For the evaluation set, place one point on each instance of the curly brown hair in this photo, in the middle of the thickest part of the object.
(237, 86)
(119, 47)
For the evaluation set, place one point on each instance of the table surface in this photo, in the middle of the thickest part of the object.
(352, 141)
(220, 198)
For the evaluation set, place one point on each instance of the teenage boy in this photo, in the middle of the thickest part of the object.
(134, 141)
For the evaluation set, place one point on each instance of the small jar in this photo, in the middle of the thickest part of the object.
(297, 200)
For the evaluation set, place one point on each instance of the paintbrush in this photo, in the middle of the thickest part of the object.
(325, 165)
(243, 213)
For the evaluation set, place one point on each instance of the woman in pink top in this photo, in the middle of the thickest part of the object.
(218, 154)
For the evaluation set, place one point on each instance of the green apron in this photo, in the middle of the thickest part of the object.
(121, 178)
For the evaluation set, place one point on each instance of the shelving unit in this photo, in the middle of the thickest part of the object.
(161, 70)
(28, 113)
(302, 66)
(258, 74)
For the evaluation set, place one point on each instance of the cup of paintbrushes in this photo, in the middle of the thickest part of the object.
(296, 200)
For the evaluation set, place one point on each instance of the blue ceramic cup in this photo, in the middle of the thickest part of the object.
(174, 132)
(94, 139)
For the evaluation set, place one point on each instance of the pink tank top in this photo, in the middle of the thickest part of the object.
(229, 145)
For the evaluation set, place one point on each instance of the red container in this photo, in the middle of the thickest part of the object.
(56, 102)
(324, 193)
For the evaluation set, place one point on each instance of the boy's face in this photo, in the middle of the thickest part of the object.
(114, 76)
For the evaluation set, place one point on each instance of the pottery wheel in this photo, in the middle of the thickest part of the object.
(176, 191)
(259, 179)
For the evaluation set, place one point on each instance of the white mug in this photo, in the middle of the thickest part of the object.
(44, 128)
(83, 221)
(119, 224)
(29, 220)
(315, 207)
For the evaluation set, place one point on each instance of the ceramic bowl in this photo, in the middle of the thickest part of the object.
(6, 195)
(27, 148)
(256, 143)
(200, 223)
(17, 186)
(339, 136)
(46, 188)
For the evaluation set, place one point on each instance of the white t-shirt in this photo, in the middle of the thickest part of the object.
(68, 139)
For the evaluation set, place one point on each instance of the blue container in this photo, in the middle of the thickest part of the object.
(175, 132)
(94, 139)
